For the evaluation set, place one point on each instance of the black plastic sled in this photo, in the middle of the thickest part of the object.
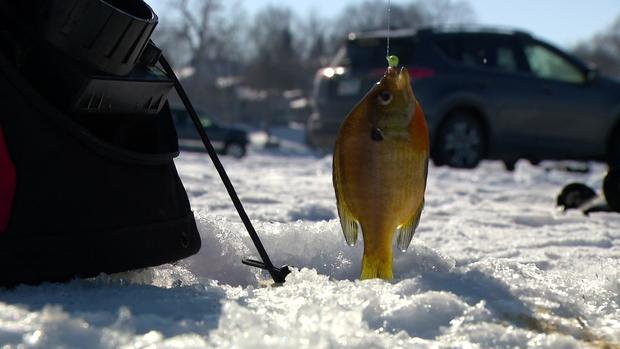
(88, 182)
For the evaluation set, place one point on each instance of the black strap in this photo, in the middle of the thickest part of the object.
(278, 274)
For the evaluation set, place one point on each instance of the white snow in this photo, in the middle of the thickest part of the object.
(493, 265)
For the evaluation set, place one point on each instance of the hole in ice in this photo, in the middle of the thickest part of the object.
(316, 245)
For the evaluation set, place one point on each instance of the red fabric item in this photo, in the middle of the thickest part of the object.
(8, 179)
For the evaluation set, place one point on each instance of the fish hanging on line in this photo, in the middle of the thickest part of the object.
(380, 168)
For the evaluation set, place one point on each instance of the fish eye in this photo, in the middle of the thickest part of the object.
(384, 98)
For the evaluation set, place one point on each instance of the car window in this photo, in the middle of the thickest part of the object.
(451, 47)
(181, 118)
(505, 58)
(547, 64)
(480, 51)
(475, 52)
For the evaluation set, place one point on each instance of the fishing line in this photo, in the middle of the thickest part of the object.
(389, 10)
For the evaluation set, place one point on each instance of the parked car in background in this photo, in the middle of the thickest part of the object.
(226, 140)
(486, 93)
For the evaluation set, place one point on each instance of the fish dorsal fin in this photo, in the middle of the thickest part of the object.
(406, 231)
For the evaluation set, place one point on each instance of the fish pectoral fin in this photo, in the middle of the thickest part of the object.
(406, 231)
(349, 224)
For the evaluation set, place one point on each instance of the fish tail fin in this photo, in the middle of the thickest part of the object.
(374, 266)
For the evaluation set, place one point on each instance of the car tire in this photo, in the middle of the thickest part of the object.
(613, 149)
(461, 141)
(235, 149)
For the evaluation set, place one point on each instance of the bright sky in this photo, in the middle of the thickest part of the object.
(563, 22)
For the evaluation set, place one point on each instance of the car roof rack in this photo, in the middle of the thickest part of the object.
(479, 28)
(409, 32)
(383, 33)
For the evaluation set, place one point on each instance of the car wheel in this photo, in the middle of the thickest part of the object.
(613, 149)
(460, 142)
(236, 150)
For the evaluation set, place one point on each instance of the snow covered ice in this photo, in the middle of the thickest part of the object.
(493, 265)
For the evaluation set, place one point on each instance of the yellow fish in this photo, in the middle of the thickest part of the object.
(380, 168)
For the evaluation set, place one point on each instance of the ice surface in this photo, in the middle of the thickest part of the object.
(492, 265)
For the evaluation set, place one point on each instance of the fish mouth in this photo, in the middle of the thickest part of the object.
(403, 78)
(399, 77)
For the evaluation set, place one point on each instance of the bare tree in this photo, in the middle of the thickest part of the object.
(205, 36)
(369, 15)
(444, 12)
(313, 32)
(603, 50)
(210, 36)
(372, 15)
(275, 62)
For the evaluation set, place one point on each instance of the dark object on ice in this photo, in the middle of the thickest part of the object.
(611, 188)
(277, 274)
(97, 190)
(580, 196)
(575, 195)
(226, 140)
(487, 94)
